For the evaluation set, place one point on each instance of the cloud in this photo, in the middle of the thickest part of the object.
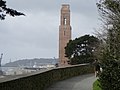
(36, 34)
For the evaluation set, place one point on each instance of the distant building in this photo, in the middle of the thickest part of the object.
(64, 33)
(1, 72)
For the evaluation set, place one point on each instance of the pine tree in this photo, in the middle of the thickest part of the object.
(4, 11)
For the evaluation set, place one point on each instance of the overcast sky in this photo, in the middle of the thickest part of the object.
(36, 34)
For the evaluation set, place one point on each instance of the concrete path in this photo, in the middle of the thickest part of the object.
(83, 82)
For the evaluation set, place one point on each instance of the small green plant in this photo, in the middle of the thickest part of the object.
(96, 85)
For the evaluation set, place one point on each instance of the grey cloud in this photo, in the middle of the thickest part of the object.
(36, 34)
(86, 7)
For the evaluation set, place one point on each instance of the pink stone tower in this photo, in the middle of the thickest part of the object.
(64, 33)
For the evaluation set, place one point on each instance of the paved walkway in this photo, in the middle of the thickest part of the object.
(83, 82)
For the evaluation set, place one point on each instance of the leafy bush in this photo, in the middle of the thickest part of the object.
(96, 85)
(110, 76)
(110, 55)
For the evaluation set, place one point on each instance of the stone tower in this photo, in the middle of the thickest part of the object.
(64, 33)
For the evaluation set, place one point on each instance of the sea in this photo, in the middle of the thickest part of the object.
(27, 66)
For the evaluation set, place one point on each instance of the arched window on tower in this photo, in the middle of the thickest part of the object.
(65, 21)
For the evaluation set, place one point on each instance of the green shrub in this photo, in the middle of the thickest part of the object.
(110, 76)
(96, 85)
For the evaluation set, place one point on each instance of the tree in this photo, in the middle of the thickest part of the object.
(4, 11)
(81, 50)
(110, 15)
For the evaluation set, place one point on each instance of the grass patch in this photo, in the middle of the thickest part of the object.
(96, 85)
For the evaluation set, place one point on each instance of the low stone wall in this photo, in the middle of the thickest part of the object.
(41, 80)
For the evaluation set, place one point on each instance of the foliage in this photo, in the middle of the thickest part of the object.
(110, 15)
(110, 57)
(4, 10)
(96, 85)
(110, 76)
(81, 50)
